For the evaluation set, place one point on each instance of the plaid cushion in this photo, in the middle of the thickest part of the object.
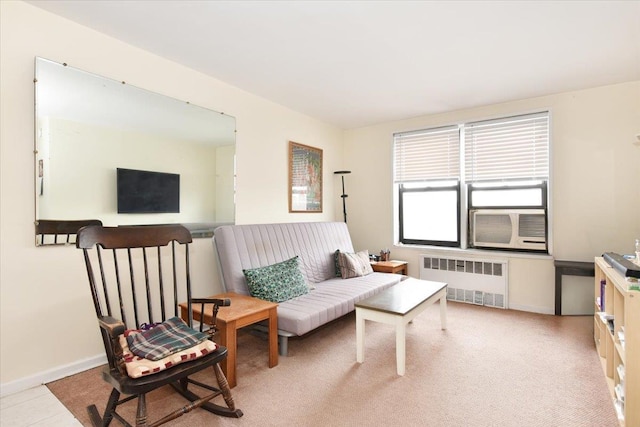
(165, 339)
(139, 366)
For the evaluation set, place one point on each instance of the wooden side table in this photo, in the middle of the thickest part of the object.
(243, 311)
(390, 267)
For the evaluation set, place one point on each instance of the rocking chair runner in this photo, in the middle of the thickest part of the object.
(137, 276)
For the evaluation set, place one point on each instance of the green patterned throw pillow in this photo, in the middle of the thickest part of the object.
(277, 282)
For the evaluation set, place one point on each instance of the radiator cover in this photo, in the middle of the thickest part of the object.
(471, 280)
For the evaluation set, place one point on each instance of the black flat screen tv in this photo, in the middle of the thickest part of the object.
(147, 192)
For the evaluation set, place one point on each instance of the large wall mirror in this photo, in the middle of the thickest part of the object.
(88, 127)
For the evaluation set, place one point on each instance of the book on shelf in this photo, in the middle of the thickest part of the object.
(619, 390)
(619, 406)
(621, 336)
(605, 316)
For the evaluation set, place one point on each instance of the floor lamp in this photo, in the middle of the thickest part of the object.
(344, 196)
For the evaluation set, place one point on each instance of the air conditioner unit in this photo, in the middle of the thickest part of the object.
(509, 229)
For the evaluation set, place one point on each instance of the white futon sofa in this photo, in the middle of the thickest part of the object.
(241, 247)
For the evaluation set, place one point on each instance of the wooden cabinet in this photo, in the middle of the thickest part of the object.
(616, 331)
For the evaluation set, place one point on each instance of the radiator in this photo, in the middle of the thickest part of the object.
(474, 281)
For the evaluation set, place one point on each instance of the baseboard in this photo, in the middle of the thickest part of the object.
(540, 310)
(51, 375)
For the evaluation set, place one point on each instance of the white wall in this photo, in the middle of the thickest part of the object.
(47, 324)
(595, 190)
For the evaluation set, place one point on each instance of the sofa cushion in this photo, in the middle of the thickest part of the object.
(354, 264)
(330, 300)
(277, 282)
(248, 246)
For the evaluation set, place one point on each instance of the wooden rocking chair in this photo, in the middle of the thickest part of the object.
(138, 276)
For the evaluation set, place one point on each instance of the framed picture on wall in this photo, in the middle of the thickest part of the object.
(305, 178)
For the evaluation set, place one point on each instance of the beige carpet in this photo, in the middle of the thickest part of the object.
(490, 367)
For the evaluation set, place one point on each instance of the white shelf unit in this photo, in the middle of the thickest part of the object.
(620, 360)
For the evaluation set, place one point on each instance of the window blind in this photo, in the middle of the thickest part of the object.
(512, 148)
(427, 155)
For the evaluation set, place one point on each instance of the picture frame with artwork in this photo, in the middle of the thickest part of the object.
(305, 178)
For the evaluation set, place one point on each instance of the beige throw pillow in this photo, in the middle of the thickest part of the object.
(354, 265)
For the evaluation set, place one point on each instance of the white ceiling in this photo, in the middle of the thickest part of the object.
(357, 63)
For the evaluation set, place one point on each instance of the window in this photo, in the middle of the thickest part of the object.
(421, 224)
(427, 175)
(500, 165)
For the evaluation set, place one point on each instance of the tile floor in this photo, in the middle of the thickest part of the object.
(35, 407)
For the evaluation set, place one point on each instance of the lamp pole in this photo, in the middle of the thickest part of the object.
(343, 196)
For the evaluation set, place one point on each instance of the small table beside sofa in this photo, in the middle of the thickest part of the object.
(243, 311)
(393, 266)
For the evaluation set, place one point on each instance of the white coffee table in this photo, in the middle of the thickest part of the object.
(398, 306)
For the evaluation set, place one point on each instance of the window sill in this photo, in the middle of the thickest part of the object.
(479, 253)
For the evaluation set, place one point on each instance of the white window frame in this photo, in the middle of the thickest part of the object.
(465, 182)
